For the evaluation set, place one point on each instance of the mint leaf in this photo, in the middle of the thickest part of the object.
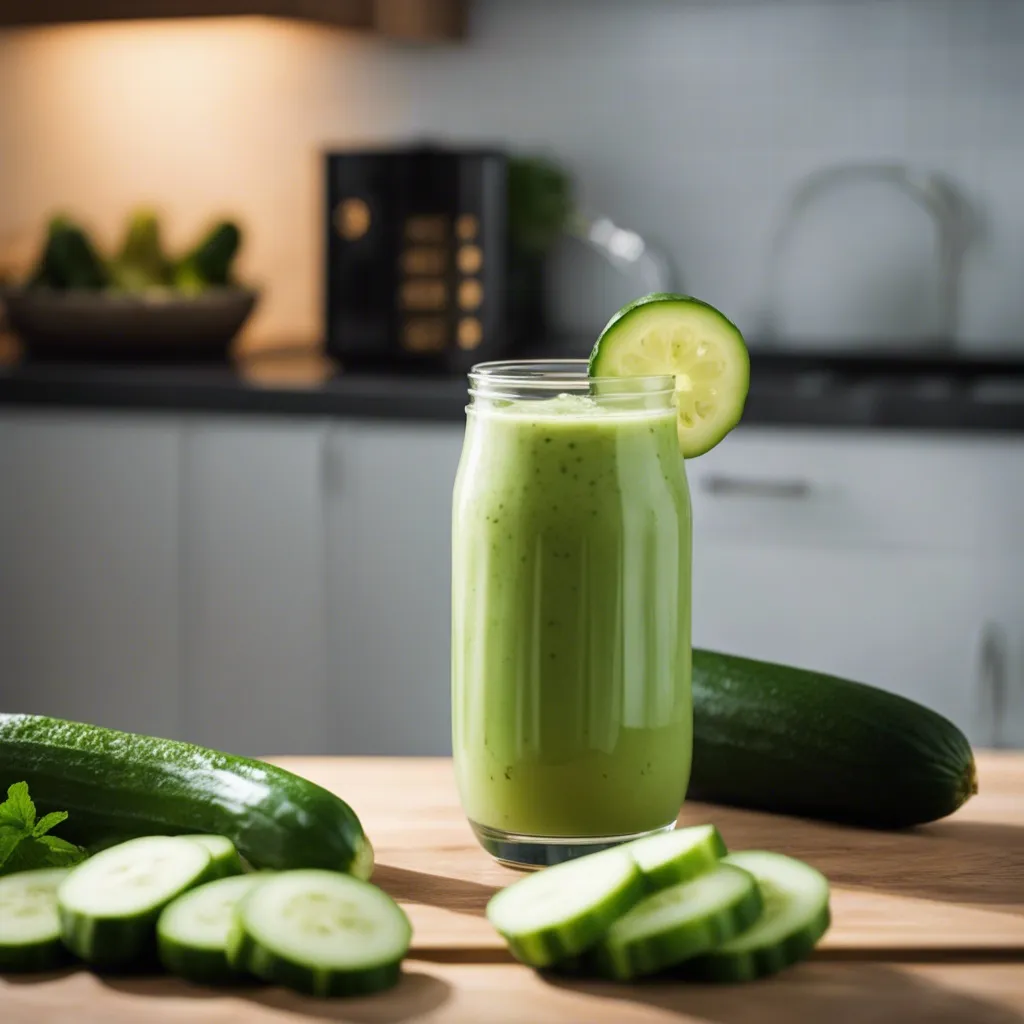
(50, 821)
(8, 842)
(18, 808)
(59, 852)
(23, 858)
(24, 844)
(45, 852)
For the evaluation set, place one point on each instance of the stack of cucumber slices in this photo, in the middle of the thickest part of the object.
(183, 903)
(674, 903)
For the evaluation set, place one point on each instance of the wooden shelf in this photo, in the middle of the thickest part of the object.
(424, 20)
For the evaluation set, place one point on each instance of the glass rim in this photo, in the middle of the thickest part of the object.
(560, 375)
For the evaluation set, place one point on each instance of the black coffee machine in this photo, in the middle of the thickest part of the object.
(435, 256)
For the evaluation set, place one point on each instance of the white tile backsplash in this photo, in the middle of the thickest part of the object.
(689, 121)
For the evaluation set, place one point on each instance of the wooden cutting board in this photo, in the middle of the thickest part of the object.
(954, 886)
(952, 892)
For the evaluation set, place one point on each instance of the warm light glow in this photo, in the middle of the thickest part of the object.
(196, 117)
(352, 218)
(471, 333)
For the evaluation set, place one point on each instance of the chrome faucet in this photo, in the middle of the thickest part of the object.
(939, 196)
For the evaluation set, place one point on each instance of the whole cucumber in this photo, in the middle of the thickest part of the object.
(797, 742)
(211, 260)
(70, 260)
(141, 264)
(117, 785)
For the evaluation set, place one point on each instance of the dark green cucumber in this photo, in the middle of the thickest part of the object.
(792, 741)
(210, 262)
(120, 785)
(70, 260)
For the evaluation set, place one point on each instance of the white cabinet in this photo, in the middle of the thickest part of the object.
(166, 576)
(389, 528)
(907, 622)
(89, 568)
(269, 585)
(253, 608)
(884, 558)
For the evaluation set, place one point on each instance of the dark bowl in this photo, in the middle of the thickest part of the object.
(114, 326)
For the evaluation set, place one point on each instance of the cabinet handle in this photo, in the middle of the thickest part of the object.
(736, 486)
(992, 677)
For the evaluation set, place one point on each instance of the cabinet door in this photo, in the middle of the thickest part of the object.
(390, 492)
(908, 622)
(253, 636)
(88, 568)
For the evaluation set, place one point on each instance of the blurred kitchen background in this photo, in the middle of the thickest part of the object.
(251, 550)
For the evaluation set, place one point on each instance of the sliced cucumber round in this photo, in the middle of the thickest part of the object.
(224, 858)
(795, 916)
(320, 932)
(679, 922)
(563, 910)
(109, 904)
(677, 856)
(666, 334)
(192, 931)
(29, 925)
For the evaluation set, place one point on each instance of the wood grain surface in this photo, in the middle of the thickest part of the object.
(956, 885)
(434, 993)
(928, 926)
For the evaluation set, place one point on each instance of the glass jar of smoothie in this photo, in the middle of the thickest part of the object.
(571, 704)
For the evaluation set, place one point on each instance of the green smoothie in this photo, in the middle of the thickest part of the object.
(571, 698)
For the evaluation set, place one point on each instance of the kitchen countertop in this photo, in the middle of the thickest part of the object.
(928, 926)
(829, 389)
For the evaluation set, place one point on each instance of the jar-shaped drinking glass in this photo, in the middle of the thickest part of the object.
(571, 704)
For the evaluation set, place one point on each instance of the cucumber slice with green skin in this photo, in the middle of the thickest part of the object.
(109, 904)
(192, 931)
(795, 916)
(677, 856)
(563, 910)
(681, 336)
(224, 858)
(321, 933)
(29, 925)
(677, 923)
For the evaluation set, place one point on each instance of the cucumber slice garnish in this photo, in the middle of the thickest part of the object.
(192, 931)
(320, 932)
(677, 856)
(795, 916)
(109, 904)
(224, 858)
(561, 911)
(679, 922)
(665, 334)
(29, 925)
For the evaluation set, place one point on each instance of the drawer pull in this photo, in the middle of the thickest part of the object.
(992, 678)
(736, 486)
